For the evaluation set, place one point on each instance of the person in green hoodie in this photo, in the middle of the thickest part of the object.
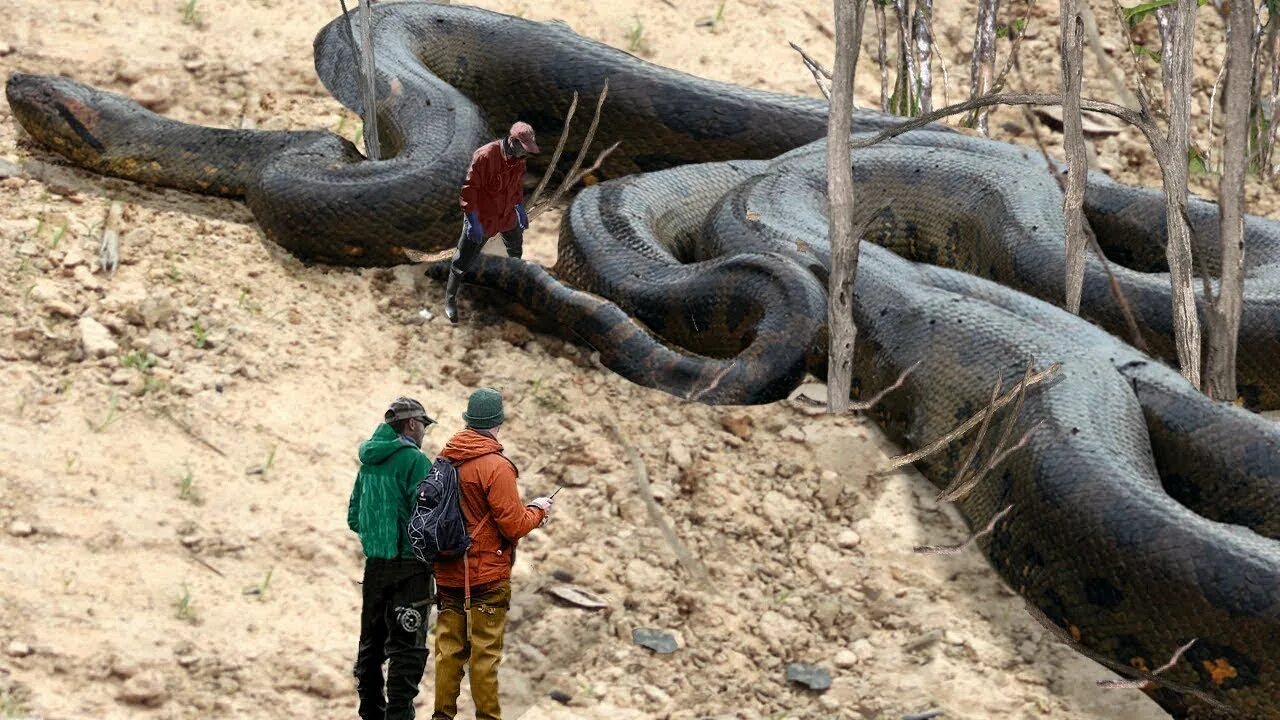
(397, 587)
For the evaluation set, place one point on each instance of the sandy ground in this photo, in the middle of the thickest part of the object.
(177, 439)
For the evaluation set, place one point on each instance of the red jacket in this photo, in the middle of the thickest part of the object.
(494, 185)
(488, 483)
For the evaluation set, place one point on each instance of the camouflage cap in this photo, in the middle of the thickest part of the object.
(403, 408)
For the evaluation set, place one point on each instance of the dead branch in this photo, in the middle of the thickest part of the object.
(957, 549)
(905, 90)
(691, 565)
(1100, 55)
(1133, 117)
(1119, 668)
(961, 486)
(555, 156)
(1145, 684)
(575, 175)
(900, 460)
(368, 86)
(586, 143)
(816, 69)
(874, 400)
(977, 442)
(191, 433)
(926, 715)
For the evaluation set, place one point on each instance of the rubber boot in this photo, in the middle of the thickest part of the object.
(451, 297)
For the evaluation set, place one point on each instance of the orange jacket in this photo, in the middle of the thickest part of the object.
(494, 185)
(488, 484)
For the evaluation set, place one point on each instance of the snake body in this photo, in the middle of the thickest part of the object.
(1142, 512)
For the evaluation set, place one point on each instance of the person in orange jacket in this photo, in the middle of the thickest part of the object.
(474, 592)
(492, 202)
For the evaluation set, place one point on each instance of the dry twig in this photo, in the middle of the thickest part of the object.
(109, 249)
(957, 549)
(686, 558)
(192, 433)
(816, 69)
(900, 460)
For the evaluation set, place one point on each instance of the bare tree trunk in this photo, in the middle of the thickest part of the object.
(1072, 50)
(1166, 22)
(921, 24)
(849, 15)
(1220, 367)
(1176, 57)
(1273, 44)
(982, 67)
(881, 31)
(906, 85)
(371, 148)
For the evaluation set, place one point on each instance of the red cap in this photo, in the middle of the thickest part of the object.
(522, 133)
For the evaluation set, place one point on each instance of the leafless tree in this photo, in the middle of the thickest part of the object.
(982, 66)
(1177, 60)
(1224, 310)
(883, 49)
(1072, 50)
(844, 238)
(922, 29)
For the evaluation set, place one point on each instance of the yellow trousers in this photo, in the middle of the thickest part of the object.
(477, 643)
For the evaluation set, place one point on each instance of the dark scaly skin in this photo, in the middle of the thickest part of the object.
(1093, 541)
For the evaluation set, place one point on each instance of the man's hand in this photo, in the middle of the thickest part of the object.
(522, 217)
(474, 228)
(544, 503)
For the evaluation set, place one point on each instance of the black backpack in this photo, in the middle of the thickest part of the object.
(437, 528)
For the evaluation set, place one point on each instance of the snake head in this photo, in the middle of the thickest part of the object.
(59, 113)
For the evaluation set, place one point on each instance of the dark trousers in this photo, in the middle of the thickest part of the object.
(464, 258)
(393, 628)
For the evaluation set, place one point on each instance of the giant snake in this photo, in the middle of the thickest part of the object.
(1141, 512)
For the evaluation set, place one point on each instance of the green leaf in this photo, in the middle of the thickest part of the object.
(1195, 162)
(1144, 50)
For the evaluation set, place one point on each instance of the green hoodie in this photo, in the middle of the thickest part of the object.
(383, 497)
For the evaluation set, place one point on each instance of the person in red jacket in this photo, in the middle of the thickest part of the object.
(492, 203)
(474, 592)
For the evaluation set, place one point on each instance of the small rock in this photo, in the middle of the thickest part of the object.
(659, 641)
(793, 433)
(787, 470)
(326, 682)
(45, 292)
(121, 376)
(813, 677)
(146, 688)
(845, 658)
(18, 649)
(739, 425)
(9, 168)
(125, 668)
(655, 695)
(21, 528)
(830, 489)
(85, 277)
(28, 249)
(96, 339)
(848, 539)
(153, 92)
(160, 344)
(679, 455)
(74, 258)
(63, 309)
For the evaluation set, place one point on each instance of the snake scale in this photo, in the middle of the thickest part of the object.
(1142, 513)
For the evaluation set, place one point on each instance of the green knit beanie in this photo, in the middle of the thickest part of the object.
(484, 409)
